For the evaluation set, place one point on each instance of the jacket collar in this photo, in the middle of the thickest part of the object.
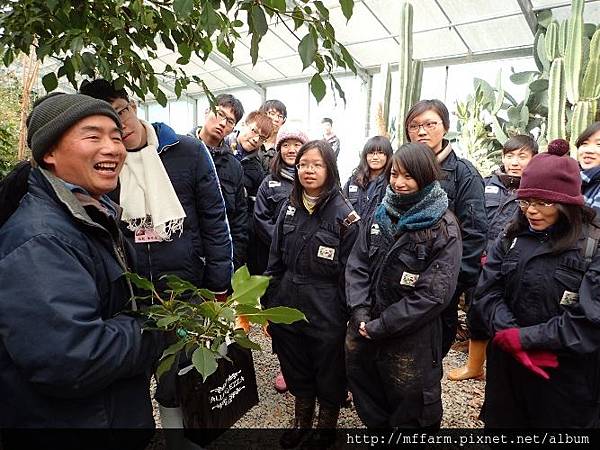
(447, 157)
(166, 136)
(66, 197)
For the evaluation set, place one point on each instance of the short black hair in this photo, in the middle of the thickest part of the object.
(419, 161)
(103, 90)
(276, 105)
(587, 133)
(520, 141)
(229, 101)
(332, 183)
(327, 120)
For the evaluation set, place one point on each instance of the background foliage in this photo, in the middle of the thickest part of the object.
(10, 110)
(116, 39)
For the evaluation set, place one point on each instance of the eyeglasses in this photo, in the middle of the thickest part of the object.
(124, 113)
(537, 204)
(275, 115)
(429, 125)
(375, 153)
(222, 116)
(261, 139)
(302, 167)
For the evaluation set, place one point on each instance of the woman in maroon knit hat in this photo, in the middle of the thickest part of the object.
(539, 300)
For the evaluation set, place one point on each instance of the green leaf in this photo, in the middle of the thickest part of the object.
(524, 77)
(227, 313)
(204, 361)
(140, 282)
(166, 321)
(307, 49)
(347, 7)
(538, 85)
(174, 348)
(279, 5)
(77, 44)
(240, 276)
(250, 290)
(50, 82)
(209, 309)
(177, 285)
(259, 21)
(317, 87)
(278, 314)
(161, 98)
(245, 342)
(183, 8)
(165, 365)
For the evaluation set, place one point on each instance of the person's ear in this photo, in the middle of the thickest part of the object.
(49, 158)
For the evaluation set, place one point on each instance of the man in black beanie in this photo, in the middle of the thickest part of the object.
(70, 354)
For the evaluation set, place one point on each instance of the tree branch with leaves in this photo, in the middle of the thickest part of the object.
(118, 39)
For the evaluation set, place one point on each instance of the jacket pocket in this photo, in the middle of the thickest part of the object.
(432, 405)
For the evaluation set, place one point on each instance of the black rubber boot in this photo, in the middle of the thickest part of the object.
(324, 436)
(304, 409)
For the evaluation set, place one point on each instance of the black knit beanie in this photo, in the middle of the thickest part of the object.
(55, 113)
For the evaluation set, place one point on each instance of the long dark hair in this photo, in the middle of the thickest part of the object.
(565, 232)
(362, 173)
(332, 182)
(419, 161)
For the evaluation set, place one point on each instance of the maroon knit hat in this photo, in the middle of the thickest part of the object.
(552, 176)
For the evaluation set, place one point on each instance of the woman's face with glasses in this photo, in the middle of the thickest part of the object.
(312, 172)
(376, 160)
(428, 129)
(540, 214)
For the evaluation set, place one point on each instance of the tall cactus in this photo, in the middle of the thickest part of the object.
(574, 51)
(591, 79)
(404, 68)
(556, 101)
(551, 41)
(416, 82)
(386, 88)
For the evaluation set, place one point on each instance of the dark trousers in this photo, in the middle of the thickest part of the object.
(516, 398)
(389, 383)
(312, 364)
(450, 322)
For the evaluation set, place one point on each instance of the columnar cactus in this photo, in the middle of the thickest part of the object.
(404, 68)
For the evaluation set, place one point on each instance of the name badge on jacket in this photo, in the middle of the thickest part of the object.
(492, 189)
(353, 188)
(326, 252)
(569, 298)
(145, 235)
(273, 183)
(409, 279)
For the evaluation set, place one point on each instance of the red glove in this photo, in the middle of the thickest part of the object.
(508, 340)
(542, 359)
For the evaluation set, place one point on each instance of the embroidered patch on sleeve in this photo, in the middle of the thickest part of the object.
(409, 279)
(569, 298)
(326, 252)
(291, 210)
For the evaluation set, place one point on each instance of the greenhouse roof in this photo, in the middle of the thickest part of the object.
(446, 32)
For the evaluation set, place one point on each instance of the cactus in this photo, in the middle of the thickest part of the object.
(404, 68)
(574, 51)
(590, 87)
(386, 85)
(556, 101)
(579, 121)
(551, 41)
(416, 82)
(562, 37)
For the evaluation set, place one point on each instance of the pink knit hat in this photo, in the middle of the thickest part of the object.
(290, 132)
(552, 176)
